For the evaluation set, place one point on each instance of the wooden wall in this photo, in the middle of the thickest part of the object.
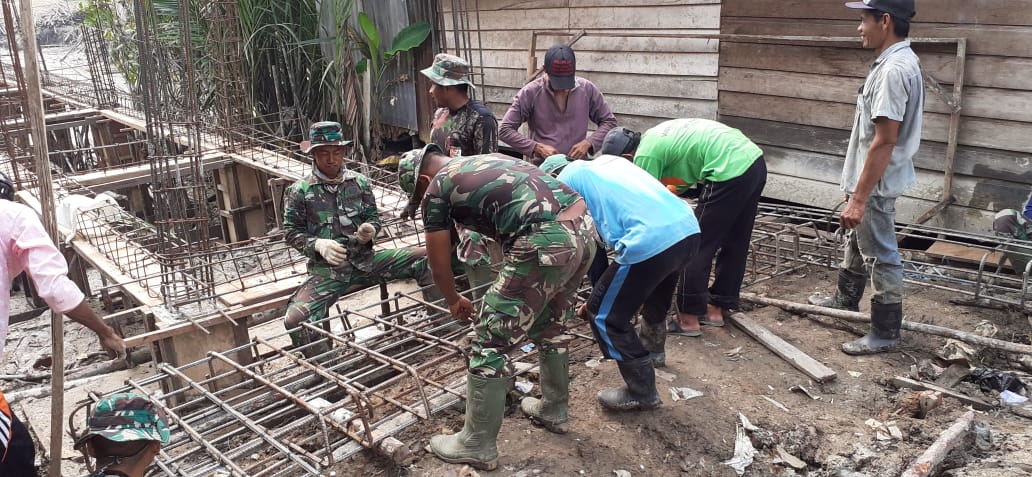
(797, 101)
(644, 80)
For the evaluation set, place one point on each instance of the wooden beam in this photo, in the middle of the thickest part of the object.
(782, 348)
(901, 382)
(952, 437)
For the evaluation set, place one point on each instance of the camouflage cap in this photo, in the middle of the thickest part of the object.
(408, 167)
(448, 70)
(325, 133)
(125, 417)
(554, 163)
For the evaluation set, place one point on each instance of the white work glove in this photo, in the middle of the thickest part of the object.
(365, 233)
(332, 251)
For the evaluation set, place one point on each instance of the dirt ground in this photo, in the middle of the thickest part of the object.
(739, 376)
(736, 375)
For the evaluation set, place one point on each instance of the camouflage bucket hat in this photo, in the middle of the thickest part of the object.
(448, 70)
(325, 133)
(554, 163)
(125, 417)
(408, 167)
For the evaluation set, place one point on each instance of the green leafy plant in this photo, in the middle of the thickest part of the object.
(377, 61)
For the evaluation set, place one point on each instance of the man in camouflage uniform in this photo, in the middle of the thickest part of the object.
(331, 218)
(463, 126)
(123, 435)
(543, 228)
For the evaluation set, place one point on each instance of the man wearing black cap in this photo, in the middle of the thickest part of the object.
(557, 107)
(878, 167)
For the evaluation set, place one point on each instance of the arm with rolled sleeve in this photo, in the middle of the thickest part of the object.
(600, 114)
(519, 112)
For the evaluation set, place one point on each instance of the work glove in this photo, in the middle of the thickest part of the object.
(365, 233)
(332, 251)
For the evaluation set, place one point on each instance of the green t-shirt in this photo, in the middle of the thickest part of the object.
(683, 152)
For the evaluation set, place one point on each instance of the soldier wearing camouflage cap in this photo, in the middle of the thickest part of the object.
(463, 126)
(331, 217)
(124, 433)
(547, 238)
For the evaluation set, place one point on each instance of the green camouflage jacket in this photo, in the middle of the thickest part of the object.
(495, 195)
(314, 209)
(473, 129)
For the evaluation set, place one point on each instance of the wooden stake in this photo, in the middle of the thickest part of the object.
(34, 106)
(802, 361)
(971, 338)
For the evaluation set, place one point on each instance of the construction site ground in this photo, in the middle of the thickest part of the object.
(737, 376)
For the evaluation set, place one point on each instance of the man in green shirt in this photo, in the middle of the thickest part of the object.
(682, 153)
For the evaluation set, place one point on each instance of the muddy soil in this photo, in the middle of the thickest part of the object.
(739, 376)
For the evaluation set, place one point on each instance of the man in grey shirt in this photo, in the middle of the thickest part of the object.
(878, 167)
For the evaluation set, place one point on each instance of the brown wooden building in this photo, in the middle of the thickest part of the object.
(736, 61)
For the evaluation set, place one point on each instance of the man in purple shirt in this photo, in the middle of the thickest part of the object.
(557, 107)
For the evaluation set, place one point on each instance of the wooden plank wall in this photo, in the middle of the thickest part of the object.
(797, 101)
(644, 80)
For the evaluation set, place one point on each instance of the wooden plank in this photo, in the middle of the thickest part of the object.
(960, 253)
(485, 5)
(978, 102)
(978, 132)
(663, 86)
(901, 382)
(953, 375)
(594, 40)
(801, 361)
(660, 63)
(982, 39)
(975, 12)
(801, 190)
(971, 161)
(665, 16)
(956, 435)
(639, 105)
(986, 71)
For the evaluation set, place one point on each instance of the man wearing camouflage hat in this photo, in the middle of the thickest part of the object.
(547, 238)
(331, 218)
(462, 126)
(124, 434)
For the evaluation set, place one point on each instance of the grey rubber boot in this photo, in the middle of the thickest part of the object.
(551, 410)
(653, 338)
(476, 444)
(884, 334)
(639, 393)
(847, 296)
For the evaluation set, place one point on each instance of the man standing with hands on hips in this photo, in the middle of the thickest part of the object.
(878, 167)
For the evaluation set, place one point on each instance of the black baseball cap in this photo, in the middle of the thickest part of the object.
(900, 9)
(561, 66)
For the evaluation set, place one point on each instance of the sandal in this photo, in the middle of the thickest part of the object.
(674, 328)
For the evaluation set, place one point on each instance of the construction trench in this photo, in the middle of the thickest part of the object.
(192, 260)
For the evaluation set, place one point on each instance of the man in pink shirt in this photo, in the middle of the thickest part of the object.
(557, 107)
(25, 246)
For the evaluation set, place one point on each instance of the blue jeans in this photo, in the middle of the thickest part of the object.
(872, 251)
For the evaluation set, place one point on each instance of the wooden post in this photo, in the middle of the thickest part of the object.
(34, 107)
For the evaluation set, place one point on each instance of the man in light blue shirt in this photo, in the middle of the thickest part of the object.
(654, 235)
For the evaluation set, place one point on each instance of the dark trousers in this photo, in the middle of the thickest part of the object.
(622, 289)
(599, 264)
(726, 213)
(19, 459)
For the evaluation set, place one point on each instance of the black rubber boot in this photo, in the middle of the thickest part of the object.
(639, 393)
(847, 296)
(884, 334)
(551, 411)
(303, 336)
(653, 338)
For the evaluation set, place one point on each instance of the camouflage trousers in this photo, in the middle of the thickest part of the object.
(533, 295)
(313, 299)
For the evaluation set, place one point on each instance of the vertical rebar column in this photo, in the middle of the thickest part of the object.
(233, 110)
(100, 69)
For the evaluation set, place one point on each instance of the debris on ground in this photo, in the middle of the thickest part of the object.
(683, 394)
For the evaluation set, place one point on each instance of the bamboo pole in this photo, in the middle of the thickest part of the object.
(34, 107)
(971, 338)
